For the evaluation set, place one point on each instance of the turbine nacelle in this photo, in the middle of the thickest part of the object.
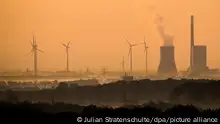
(145, 45)
(131, 45)
(66, 45)
(35, 46)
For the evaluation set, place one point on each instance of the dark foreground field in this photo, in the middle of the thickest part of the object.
(40, 113)
(203, 93)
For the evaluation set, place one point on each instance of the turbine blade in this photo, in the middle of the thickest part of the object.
(136, 44)
(128, 42)
(64, 44)
(145, 41)
(31, 43)
(145, 45)
(35, 42)
(68, 44)
(32, 50)
(40, 50)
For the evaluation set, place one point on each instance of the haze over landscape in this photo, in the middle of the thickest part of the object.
(98, 30)
(90, 57)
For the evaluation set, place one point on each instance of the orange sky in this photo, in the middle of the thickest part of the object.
(97, 29)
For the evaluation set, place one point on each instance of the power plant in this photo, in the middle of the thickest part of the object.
(198, 55)
(167, 66)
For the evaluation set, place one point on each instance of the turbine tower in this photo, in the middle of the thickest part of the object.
(67, 54)
(130, 54)
(35, 50)
(123, 65)
(145, 50)
(104, 71)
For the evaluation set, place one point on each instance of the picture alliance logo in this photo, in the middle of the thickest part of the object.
(79, 119)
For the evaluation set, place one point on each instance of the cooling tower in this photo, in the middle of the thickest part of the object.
(167, 66)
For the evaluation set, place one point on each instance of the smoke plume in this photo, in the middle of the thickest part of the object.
(167, 39)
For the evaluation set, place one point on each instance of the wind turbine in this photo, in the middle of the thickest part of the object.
(67, 53)
(145, 50)
(35, 50)
(130, 53)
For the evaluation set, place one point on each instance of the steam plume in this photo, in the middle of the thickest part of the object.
(168, 39)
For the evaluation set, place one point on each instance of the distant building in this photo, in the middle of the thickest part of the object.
(199, 60)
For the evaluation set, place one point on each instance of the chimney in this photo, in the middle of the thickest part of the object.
(192, 42)
(167, 66)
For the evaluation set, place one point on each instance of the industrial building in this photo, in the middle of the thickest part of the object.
(199, 64)
(167, 66)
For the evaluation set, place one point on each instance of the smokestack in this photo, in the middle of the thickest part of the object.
(192, 42)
